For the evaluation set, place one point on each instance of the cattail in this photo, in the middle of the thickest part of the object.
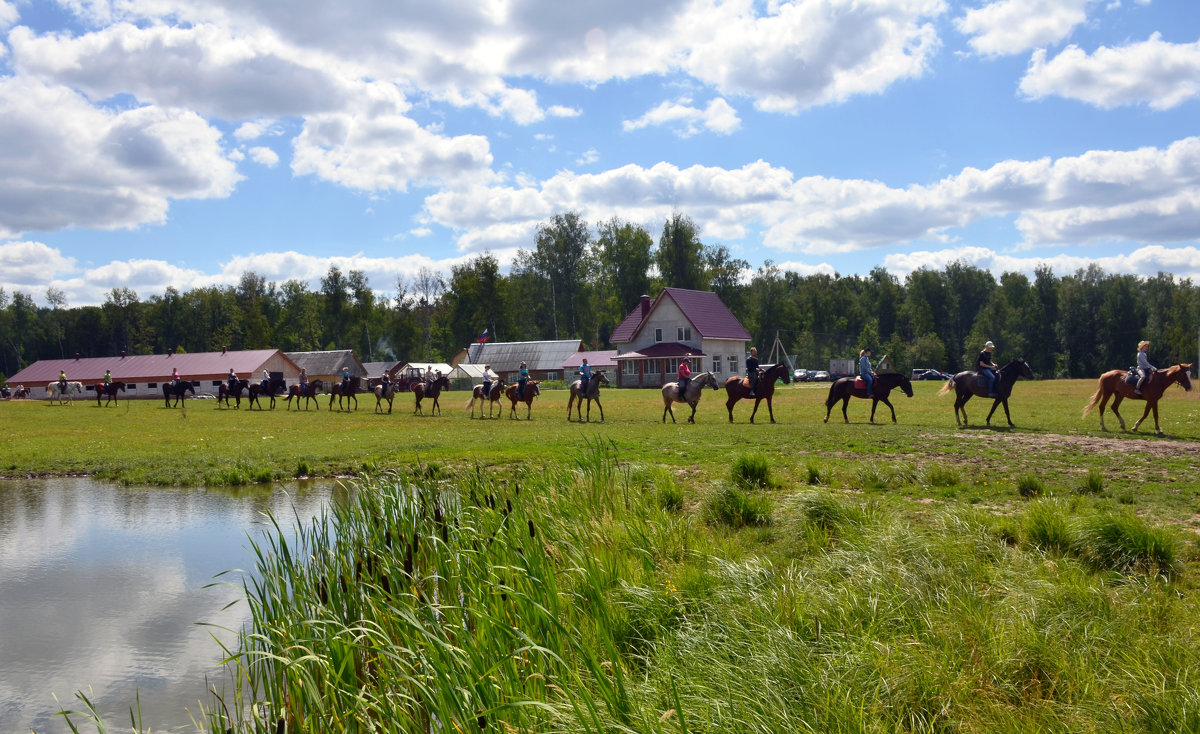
(281, 727)
(518, 489)
(532, 531)
(482, 721)
(508, 505)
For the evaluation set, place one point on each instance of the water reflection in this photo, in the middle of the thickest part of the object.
(102, 590)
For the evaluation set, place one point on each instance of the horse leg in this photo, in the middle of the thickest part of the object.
(1157, 430)
(528, 408)
(1117, 401)
(729, 406)
(1146, 413)
(770, 410)
(692, 417)
(845, 404)
(755, 411)
(995, 404)
(667, 409)
(961, 405)
(874, 404)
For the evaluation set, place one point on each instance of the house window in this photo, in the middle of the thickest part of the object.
(151, 385)
(684, 334)
(672, 366)
(652, 367)
(551, 376)
(629, 367)
(658, 335)
(217, 383)
(733, 365)
(132, 386)
(716, 364)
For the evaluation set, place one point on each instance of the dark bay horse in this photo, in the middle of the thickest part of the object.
(532, 390)
(845, 388)
(492, 398)
(737, 388)
(176, 389)
(1113, 384)
(110, 390)
(346, 391)
(268, 388)
(384, 392)
(968, 383)
(430, 390)
(224, 393)
(593, 393)
(301, 392)
(695, 388)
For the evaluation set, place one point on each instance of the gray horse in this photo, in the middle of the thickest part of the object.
(670, 394)
(384, 392)
(593, 393)
(66, 396)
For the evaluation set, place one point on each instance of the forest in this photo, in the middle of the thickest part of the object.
(580, 280)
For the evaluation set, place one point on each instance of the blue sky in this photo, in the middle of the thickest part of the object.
(156, 143)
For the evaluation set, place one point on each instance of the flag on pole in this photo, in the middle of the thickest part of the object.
(483, 337)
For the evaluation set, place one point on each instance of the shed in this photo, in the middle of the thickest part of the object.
(327, 366)
(465, 376)
(543, 358)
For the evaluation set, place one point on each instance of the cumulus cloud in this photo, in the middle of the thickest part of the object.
(1014, 26)
(561, 111)
(687, 120)
(1146, 261)
(263, 156)
(254, 129)
(65, 163)
(8, 16)
(1154, 72)
(30, 266)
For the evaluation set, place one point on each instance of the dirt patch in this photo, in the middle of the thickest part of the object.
(1091, 444)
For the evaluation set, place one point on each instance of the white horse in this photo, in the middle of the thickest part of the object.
(670, 394)
(67, 396)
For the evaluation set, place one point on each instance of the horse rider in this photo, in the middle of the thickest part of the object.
(522, 378)
(175, 377)
(62, 381)
(107, 380)
(385, 380)
(232, 379)
(345, 380)
(685, 375)
(752, 370)
(1144, 368)
(487, 382)
(303, 382)
(865, 372)
(266, 381)
(986, 367)
(585, 374)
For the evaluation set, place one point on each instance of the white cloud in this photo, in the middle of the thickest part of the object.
(30, 266)
(1160, 74)
(561, 111)
(254, 129)
(806, 269)
(65, 163)
(1184, 262)
(264, 156)
(9, 15)
(687, 120)
(1015, 26)
(589, 157)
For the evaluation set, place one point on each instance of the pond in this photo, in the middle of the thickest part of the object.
(102, 590)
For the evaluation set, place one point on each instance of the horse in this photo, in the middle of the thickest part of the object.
(345, 390)
(384, 392)
(64, 396)
(1115, 385)
(593, 393)
(968, 383)
(847, 387)
(224, 392)
(268, 388)
(495, 393)
(298, 391)
(531, 391)
(670, 394)
(111, 390)
(176, 389)
(737, 388)
(21, 393)
(430, 390)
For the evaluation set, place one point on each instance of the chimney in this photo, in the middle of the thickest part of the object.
(645, 305)
(122, 354)
(76, 356)
(223, 349)
(170, 352)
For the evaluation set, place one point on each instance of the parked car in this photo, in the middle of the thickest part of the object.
(801, 375)
(929, 374)
(820, 376)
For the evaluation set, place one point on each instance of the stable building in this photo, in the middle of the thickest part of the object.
(544, 359)
(327, 366)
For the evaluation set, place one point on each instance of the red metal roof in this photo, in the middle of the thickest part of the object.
(147, 367)
(663, 350)
(708, 314)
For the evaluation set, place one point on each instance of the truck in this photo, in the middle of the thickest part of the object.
(842, 368)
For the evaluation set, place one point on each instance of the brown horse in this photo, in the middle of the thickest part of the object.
(384, 392)
(531, 391)
(224, 393)
(968, 383)
(492, 398)
(593, 393)
(345, 390)
(21, 393)
(268, 388)
(176, 389)
(430, 390)
(737, 388)
(300, 392)
(111, 390)
(845, 388)
(1115, 385)
(695, 388)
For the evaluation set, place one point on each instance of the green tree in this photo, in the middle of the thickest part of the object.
(680, 254)
(561, 257)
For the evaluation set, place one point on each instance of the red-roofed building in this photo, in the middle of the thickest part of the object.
(652, 339)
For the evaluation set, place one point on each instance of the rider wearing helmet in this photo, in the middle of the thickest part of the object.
(1144, 368)
(685, 375)
(522, 378)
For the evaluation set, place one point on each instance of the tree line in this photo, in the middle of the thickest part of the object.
(580, 281)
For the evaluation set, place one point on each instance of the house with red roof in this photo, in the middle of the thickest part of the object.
(658, 333)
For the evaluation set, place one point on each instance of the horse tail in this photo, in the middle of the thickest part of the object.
(947, 387)
(831, 400)
(1095, 400)
(470, 404)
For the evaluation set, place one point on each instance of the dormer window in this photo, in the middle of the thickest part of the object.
(657, 335)
(684, 334)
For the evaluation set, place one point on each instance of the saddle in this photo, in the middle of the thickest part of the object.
(1131, 378)
(860, 383)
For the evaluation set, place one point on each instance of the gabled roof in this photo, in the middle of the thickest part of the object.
(328, 363)
(426, 367)
(375, 369)
(507, 356)
(705, 310)
(603, 358)
(663, 350)
(147, 367)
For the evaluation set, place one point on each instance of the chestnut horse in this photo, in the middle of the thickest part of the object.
(346, 390)
(531, 391)
(968, 383)
(308, 393)
(1114, 384)
(593, 393)
(695, 388)
(737, 388)
(494, 394)
(111, 390)
(430, 390)
(846, 388)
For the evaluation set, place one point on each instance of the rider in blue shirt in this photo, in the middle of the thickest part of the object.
(865, 371)
(522, 378)
(585, 374)
(987, 368)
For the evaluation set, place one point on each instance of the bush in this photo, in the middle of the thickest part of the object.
(1046, 528)
(668, 493)
(828, 514)
(736, 508)
(940, 476)
(1126, 544)
(1093, 483)
(815, 475)
(1030, 487)
(751, 470)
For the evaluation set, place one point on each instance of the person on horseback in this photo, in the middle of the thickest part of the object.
(685, 375)
(522, 378)
(62, 382)
(175, 377)
(585, 374)
(303, 382)
(232, 379)
(986, 367)
(385, 380)
(1144, 368)
(107, 379)
(487, 381)
(752, 370)
(345, 382)
(865, 372)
